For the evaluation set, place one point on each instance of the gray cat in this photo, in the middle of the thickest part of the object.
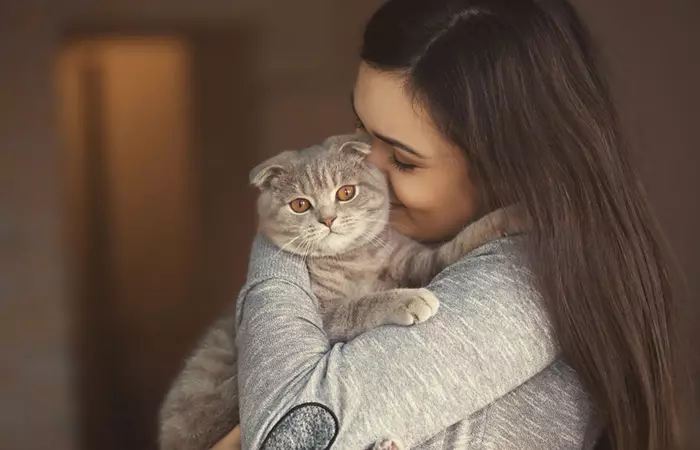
(327, 204)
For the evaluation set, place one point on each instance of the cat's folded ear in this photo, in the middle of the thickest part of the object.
(357, 144)
(339, 139)
(264, 173)
(358, 148)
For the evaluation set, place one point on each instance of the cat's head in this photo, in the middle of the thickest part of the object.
(323, 200)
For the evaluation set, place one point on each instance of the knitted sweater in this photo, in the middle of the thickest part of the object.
(483, 373)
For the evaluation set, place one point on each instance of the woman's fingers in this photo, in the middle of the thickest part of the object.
(231, 441)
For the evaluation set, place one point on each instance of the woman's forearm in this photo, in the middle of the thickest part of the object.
(231, 441)
(489, 337)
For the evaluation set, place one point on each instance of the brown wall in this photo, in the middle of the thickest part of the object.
(266, 76)
(652, 50)
(261, 79)
(35, 362)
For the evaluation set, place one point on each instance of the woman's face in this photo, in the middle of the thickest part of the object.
(433, 197)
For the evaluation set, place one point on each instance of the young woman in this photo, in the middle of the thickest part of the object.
(555, 339)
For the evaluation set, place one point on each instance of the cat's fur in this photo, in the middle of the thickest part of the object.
(363, 274)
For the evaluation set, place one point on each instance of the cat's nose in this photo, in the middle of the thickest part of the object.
(328, 221)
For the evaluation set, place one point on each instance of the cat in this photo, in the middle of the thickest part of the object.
(329, 205)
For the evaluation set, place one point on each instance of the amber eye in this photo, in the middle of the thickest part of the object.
(346, 193)
(300, 205)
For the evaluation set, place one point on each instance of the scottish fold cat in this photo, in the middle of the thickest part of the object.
(329, 205)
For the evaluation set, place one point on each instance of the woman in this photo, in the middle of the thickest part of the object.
(550, 340)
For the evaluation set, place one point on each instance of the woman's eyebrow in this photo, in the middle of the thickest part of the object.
(391, 141)
(398, 144)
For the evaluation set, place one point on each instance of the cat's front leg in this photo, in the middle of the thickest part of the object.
(405, 307)
(389, 444)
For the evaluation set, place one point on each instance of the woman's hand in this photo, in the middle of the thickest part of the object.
(231, 441)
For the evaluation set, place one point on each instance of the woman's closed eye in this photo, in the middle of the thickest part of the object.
(401, 166)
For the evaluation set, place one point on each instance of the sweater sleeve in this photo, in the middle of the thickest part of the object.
(297, 391)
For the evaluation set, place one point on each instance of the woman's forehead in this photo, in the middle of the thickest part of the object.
(381, 101)
(386, 107)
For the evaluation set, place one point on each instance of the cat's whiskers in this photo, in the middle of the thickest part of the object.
(287, 245)
(301, 249)
(309, 243)
(353, 222)
(364, 219)
(314, 239)
(366, 233)
(368, 222)
(308, 238)
(310, 248)
(376, 240)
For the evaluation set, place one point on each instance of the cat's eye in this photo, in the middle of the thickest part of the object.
(346, 193)
(300, 205)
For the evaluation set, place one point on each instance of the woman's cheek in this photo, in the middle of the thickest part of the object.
(400, 188)
(412, 192)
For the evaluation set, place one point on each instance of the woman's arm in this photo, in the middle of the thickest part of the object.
(489, 336)
(231, 441)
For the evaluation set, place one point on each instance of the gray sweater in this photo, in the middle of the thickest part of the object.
(484, 373)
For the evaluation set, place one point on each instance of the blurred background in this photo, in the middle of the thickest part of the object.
(127, 130)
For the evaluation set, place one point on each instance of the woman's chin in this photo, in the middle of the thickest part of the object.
(398, 222)
(405, 226)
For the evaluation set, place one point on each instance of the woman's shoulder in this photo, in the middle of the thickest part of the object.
(497, 270)
(501, 259)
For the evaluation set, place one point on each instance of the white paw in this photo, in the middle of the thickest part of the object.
(417, 306)
(388, 444)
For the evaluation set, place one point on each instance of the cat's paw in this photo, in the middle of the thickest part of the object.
(414, 306)
(388, 444)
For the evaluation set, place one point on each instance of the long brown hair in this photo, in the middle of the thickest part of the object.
(514, 84)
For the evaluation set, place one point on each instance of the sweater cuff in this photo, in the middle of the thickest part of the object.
(268, 262)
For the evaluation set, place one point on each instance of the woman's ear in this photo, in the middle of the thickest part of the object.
(265, 173)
